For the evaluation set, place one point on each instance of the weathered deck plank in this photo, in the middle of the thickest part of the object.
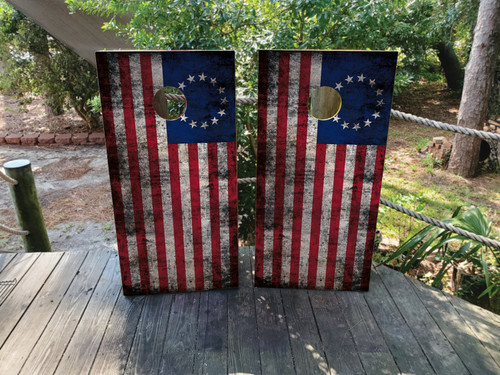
(483, 323)
(19, 346)
(398, 336)
(370, 344)
(29, 283)
(179, 348)
(243, 354)
(336, 336)
(52, 343)
(434, 344)
(400, 326)
(470, 350)
(149, 336)
(82, 348)
(307, 348)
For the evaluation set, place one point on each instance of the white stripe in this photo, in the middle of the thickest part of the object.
(121, 143)
(205, 215)
(187, 223)
(326, 211)
(291, 143)
(161, 134)
(364, 213)
(272, 114)
(345, 212)
(224, 213)
(312, 130)
(143, 156)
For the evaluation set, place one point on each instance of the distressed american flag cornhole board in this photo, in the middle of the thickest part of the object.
(173, 182)
(319, 178)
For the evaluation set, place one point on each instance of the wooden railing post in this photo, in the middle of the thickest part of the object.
(29, 213)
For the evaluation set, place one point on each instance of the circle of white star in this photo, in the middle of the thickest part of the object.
(222, 99)
(361, 78)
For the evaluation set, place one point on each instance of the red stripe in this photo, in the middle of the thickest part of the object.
(300, 161)
(319, 175)
(175, 187)
(372, 218)
(261, 167)
(135, 177)
(333, 238)
(279, 179)
(114, 170)
(352, 234)
(213, 179)
(154, 169)
(232, 185)
(194, 183)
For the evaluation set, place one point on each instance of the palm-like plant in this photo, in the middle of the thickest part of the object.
(451, 249)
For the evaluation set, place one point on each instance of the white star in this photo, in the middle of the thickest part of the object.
(222, 112)
(191, 79)
(204, 125)
(349, 79)
(193, 124)
(223, 101)
(361, 78)
(213, 81)
(345, 125)
(380, 103)
(338, 86)
(372, 82)
(368, 122)
(379, 92)
(202, 76)
(215, 120)
(336, 118)
(356, 127)
(184, 117)
(376, 114)
(221, 90)
(181, 86)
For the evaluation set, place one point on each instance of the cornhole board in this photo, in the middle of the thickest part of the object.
(323, 119)
(173, 174)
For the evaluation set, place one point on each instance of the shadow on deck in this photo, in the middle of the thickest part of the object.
(64, 313)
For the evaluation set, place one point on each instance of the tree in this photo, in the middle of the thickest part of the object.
(479, 74)
(36, 63)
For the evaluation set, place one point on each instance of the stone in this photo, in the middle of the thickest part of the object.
(13, 139)
(30, 139)
(63, 139)
(80, 138)
(2, 138)
(438, 140)
(46, 139)
(97, 138)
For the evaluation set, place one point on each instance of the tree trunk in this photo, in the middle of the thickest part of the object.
(479, 73)
(449, 62)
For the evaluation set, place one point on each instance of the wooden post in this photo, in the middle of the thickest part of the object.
(29, 213)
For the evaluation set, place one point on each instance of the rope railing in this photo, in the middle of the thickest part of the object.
(445, 126)
(10, 180)
(16, 232)
(429, 220)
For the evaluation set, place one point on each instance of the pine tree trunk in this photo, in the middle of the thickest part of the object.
(479, 73)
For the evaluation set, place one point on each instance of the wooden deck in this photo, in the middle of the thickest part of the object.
(64, 313)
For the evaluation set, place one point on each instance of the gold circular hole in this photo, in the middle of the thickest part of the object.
(169, 108)
(324, 103)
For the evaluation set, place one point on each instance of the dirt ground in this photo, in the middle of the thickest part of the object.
(73, 183)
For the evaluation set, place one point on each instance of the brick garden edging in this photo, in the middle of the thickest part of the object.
(47, 139)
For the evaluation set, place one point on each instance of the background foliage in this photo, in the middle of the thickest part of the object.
(34, 63)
